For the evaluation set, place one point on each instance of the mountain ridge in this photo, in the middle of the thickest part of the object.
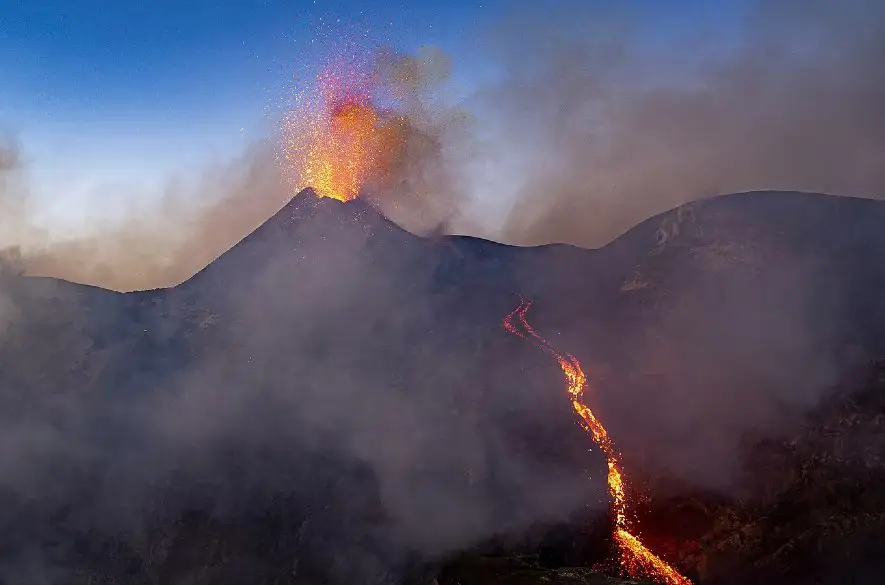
(306, 201)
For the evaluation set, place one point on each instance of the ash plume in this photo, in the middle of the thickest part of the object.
(422, 190)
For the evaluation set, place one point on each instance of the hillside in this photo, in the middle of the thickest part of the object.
(333, 399)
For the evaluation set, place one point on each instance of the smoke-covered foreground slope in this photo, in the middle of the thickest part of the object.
(327, 398)
(333, 399)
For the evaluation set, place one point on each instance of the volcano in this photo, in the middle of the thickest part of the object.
(333, 400)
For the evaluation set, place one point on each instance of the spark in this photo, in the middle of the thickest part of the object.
(335, 139)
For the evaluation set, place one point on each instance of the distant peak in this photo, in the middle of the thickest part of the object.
(304, 208)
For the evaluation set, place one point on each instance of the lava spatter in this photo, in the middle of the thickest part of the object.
(635, 558)
(335, 139)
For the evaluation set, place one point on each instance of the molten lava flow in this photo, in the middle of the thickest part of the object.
(636, 559)
(335, 139)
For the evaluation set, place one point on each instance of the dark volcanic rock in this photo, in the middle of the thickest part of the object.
(515, 570)
(814, 510)
(333, 400)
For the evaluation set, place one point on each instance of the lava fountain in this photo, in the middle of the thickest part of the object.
(335, 139)
(636, 560)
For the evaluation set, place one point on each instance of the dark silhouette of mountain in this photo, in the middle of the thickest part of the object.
(333, 399)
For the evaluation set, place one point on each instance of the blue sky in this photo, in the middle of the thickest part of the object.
(101, 92)
(119, 93)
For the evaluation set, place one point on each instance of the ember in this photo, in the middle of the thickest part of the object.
(335, 140)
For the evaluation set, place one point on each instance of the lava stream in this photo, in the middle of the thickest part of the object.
(636, 559)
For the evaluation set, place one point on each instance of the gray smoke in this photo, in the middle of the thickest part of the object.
(595, 124)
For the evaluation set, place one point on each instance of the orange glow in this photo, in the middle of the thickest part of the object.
(343, 151)
(636, 560)
(335, 140)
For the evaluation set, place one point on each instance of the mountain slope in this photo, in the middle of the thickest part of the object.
(341, 391)
(725, 319)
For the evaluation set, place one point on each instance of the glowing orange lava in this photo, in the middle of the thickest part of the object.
(636, 559)
(342, 152)
(335, 140)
